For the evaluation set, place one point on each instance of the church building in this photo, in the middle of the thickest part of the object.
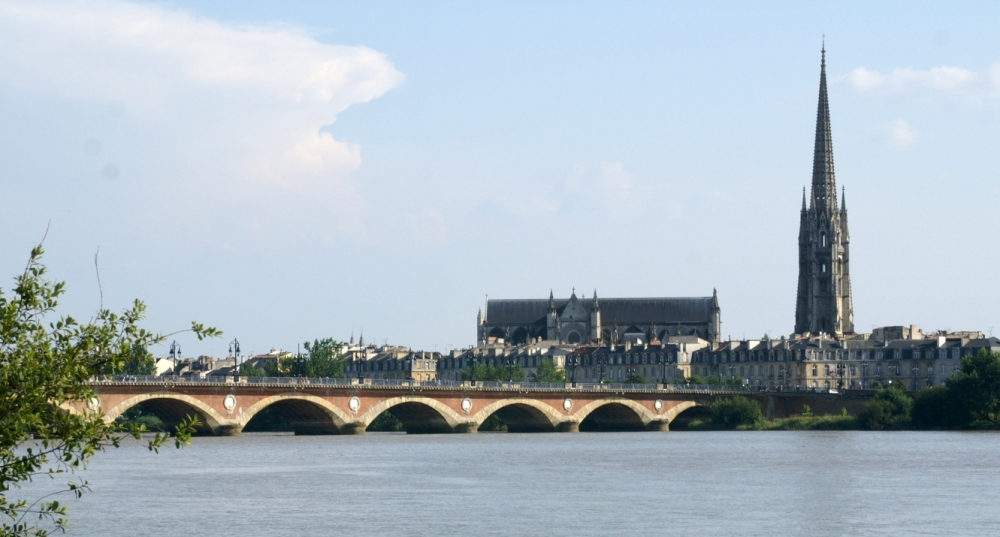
(606, 320)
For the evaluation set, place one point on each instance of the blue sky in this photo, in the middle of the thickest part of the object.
(288, 171)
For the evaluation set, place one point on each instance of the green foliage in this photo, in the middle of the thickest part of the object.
(493, 424)
(842, 422)
(975, 390)
(140, 416)
(324, 358)
(734, 412)
(268, 419)
(890, 408)
(693, 380)
(547, 372)
(487, 373)
(386, 422)
(635, 378)
(936, 408)
(807, 410)
(139, 362)
(45, 366)
(734, 381)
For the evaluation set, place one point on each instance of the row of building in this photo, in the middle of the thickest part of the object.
(887, 355)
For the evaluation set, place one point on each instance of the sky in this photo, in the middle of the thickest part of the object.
(292, 171)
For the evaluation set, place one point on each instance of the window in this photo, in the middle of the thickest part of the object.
(930, 370)
(824, 268)
(954, 353)
(943, 370)
(822, 242)
(815, 371)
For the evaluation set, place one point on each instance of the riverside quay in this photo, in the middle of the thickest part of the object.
(338, 406)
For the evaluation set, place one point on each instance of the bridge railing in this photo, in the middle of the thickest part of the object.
(452, 384)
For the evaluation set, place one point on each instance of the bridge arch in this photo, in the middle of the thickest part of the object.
(615, 414)
(172, 408)
(521, 415)
(679, 416)
(419, 415)
(307, 414)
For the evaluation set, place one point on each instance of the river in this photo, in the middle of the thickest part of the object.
(680, 483)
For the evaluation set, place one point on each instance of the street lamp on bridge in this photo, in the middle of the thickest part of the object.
(572, 362)
(234, 352)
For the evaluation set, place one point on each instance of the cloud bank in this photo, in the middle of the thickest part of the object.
(946, 81)
(239, 108)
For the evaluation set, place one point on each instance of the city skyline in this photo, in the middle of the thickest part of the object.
(287, 176)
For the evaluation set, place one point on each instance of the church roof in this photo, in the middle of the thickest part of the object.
(623, 311)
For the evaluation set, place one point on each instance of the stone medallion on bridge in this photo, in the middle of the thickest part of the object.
(568, 404)
(466, 405)
(658, 405)
(354, 404)
(229, 403)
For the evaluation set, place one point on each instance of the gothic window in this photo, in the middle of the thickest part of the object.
(822, 242)
(824, 268)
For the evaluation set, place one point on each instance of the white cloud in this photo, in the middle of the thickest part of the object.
(901, 134)
(615, 178)
(237, 104)
(954, 82)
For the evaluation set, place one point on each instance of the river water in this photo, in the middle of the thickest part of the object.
(680, 483)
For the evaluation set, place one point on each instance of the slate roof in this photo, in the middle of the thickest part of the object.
(622, 311)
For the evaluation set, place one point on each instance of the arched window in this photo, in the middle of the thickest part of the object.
(824, 268)
(822, 239)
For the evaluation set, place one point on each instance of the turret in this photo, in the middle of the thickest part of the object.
(595, 320)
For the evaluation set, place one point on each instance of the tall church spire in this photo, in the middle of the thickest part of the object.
(824, 183)
(824, 303)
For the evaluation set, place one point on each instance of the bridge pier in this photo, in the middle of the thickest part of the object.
(228, 430)
(662, 426)
(568, 427)
(467, 427)
(354, 428)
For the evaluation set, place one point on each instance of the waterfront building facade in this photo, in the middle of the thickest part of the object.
(390, 363)
(825, 363)
(501, 355)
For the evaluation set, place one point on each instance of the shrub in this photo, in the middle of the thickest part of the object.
(890, 407)
(736, 412)
(936, 408)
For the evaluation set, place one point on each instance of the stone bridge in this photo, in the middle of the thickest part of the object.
(335, 407)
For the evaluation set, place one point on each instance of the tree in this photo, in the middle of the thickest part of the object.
(975, 389)
(890, 407)
(547, 372)
(326, 359)
(936, 408)
(635, 378)
(486, 373)
(45, 366)
(139, 362)
(736, 412)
